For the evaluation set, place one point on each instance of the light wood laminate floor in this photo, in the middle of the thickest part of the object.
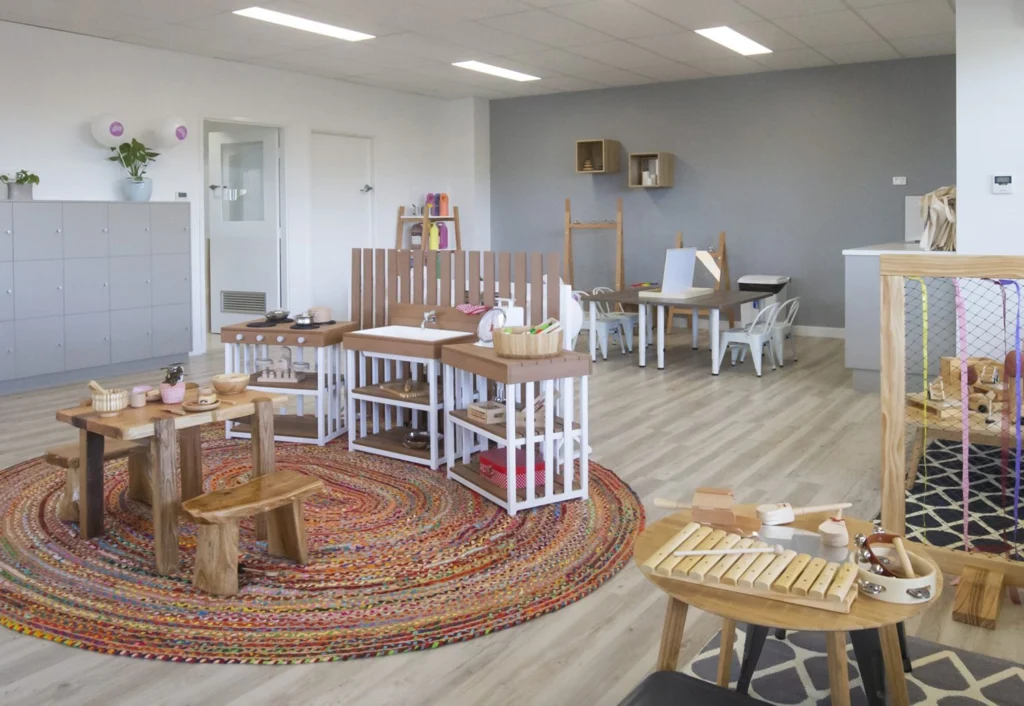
(799, 434)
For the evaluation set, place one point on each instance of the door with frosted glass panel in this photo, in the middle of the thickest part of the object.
(243, 222)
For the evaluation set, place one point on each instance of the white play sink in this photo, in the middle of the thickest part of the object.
(412, 333)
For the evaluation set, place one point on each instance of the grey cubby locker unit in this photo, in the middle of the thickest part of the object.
(92, 288)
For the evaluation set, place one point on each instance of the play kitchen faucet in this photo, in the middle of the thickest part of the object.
(429, 317)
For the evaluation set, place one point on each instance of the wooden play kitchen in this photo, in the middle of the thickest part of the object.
(247, 349)
(766, 590)
(162, 425)
(534, 463)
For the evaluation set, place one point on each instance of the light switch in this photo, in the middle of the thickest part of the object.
(899, 181)
(1002, 184)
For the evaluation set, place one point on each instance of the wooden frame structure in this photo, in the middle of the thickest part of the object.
(717, 263)
(977, 569)
(620, 253)
(426, 220)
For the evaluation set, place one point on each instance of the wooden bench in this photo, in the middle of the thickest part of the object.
(67, 457)
(279, 495)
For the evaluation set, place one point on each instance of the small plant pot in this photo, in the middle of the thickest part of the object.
(137, 190)
(19, 192)
(172, 394)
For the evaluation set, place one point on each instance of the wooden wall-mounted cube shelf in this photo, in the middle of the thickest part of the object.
(658, 166)
(597, 156)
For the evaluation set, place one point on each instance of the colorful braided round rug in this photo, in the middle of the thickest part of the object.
(401, 559)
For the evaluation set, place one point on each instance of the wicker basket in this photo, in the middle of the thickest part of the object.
(519, 344)
(109, 402)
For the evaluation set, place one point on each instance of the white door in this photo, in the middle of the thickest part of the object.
(342, 207)
(243, 222)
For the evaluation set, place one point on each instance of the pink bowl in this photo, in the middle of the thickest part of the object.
(172, 394)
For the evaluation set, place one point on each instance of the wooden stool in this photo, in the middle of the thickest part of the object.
(67, 457)
(279, 495)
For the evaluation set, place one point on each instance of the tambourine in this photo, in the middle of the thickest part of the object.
(875, 554)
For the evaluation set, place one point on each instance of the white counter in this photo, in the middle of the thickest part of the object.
(890, 248)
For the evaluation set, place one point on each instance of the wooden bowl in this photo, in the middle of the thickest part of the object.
(230, 383)
(519, 344)
(110, 402)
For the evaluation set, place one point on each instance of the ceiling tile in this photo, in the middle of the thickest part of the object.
(426, 47)
(792, 59)
(400, 14)
(325, 63)
(560, 61)
(912, 19)
(773, 9)
(729, 66)
(770, 35)
(57, 14)
(683, 46)
(829, 29)
(931, 45)
(616, 18)
(698, 14)
(329, 15)
(474, 9)
(671, 72)
(203, 42)
(863, 51)
(856, 4)
(484, 39)
(544, 27)
(615, 77)
(159, 10)
(549, 3)
(258, 32)
(621, 55)
(569, 83)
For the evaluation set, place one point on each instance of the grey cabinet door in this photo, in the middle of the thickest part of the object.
(39, 346)
(6, 232)
(86, 285)
(171, 280)
(130, 286)
(86, 341)
(38, 231)
(129, 229)
(8, 369)
(86, 230)
(172, 329)
(131, 335)
(6, 291)
(170, 228)
(38, 289)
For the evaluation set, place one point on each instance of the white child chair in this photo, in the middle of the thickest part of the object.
(782, 331)
(755, 337)
(608, 322)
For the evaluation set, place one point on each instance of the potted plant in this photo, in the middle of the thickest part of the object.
(135, 157)
(19, 187)
(172, 389)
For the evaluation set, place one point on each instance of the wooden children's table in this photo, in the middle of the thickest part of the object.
(160, 426)
(865, 613)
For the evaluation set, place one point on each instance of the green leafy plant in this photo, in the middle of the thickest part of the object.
(22, 177)
(135, 157)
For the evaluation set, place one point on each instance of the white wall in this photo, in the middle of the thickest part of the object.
(990, 125)
(49, 99)
(469, 157)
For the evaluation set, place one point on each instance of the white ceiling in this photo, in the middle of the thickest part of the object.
(572, 45)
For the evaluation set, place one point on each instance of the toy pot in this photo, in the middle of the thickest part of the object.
(19, 192)
(137, 190)
(172, 394)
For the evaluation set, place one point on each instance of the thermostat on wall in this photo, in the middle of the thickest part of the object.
(1002, 184)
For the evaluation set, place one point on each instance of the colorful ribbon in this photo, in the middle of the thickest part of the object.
(1017, 405)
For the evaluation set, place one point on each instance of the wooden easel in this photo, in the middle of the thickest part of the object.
(426, 220)
(717, 263)
(620, 255)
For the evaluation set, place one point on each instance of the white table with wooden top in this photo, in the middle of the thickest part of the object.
(157, 423)
(713, 302)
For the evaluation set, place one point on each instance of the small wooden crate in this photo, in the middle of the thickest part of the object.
(516, 343)
(486, 412)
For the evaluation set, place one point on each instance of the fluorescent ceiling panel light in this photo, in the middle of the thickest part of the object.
(280, 18)
(495, 70)
(731, 39)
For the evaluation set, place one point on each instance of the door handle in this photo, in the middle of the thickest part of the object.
(366, 189)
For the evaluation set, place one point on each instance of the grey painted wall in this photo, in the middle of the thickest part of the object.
(795, 166)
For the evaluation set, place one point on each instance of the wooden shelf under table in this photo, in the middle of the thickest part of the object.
(307, 384)
(391, 440)
(471, 472)
(303, 427)
(500, 430)
(386, 397)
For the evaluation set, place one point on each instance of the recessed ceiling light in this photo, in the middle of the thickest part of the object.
(731, 39)
(280, 18)
(495, 70)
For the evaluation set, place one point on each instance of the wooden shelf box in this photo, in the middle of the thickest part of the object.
(602, 156)
(651, 170)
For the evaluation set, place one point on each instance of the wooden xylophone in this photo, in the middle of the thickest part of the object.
(788, 577)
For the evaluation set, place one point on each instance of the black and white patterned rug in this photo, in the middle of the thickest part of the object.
(935, 507)
(794, 672)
